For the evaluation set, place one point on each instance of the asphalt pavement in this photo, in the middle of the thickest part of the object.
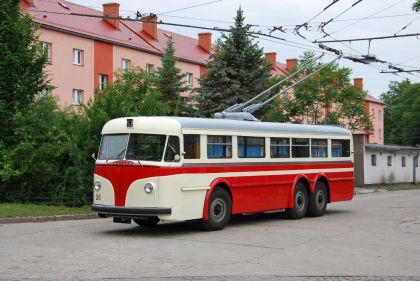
(374, 237)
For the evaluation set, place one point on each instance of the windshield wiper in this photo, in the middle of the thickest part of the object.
(120, 154)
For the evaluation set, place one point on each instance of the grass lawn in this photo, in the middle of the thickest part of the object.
(24, 210)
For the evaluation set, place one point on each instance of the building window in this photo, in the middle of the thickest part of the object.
(77, 57)
(189, 78)
(373, 159)
(219, 147)
(45, 93)
(150, 69)
(373, 112)
(251, 147)
(319, 148)
(340, 148)
(403, 161)
(380, 133)
(300, 148)
(103, 79)
(192, 146)
(380, 115)
(77, 97)
(389, 160)
(125, 64)
(46, 48)
(280, 147)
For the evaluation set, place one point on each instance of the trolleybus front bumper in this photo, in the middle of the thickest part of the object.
(129, 212)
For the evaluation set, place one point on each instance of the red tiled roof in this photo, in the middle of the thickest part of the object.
(373, 99)
(51, 14)
(279, 70)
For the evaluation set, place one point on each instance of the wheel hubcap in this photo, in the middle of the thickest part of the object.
(300, 201)
(218, 210)
(320, 199)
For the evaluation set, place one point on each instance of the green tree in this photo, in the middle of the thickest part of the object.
(21, 65)
(237, 70)
(325, 98)
(170, 81)
(416, 6)
(402, 107)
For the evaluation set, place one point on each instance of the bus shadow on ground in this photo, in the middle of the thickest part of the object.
(188, 227)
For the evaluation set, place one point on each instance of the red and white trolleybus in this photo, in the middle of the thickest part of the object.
(173, 168)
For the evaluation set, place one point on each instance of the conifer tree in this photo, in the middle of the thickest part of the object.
(237, 71)
(21, 65)
(170, 81)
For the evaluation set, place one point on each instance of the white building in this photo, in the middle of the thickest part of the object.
(391, 164)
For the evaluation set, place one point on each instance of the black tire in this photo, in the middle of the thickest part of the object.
(147, 221)
(300, 207)
(219, 210)
(318, 200)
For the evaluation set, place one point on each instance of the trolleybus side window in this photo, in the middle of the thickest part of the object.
(280, 147)
(192, 146)
(113, 147)
(300, 148)
(172, 149)
(319, 148)
(219, 147)
(146, 147)
(251, 147)
(340, 148)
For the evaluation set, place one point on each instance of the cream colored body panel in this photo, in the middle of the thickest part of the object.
(137, 197)
(105, 196)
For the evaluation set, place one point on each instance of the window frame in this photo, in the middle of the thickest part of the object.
(150, 69)
(320, 146)
(373, 160)
(389, 160)
(225, 145)
(102, 85)
(185, 153)
(280, 145)
(128, 62)
(342, 150)
(403, 161)
(79, 93)
(189, 78)
(308, 146)
(43, 45)
(78, 54)
(246, 145)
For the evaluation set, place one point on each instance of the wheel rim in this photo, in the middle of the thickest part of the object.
(300, 201)
(320, 199)
(218, 210)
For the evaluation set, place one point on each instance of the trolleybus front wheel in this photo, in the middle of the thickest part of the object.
(300, 203)
(147, 221)
(220, 210)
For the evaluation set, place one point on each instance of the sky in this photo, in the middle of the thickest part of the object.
(403, 52)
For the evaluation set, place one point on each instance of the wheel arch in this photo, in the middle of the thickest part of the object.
(299, 178)
(217, 183)
(323, 178)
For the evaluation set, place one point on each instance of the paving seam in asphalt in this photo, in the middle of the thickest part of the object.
(48, 218)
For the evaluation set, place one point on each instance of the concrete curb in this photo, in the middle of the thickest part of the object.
(48, 218)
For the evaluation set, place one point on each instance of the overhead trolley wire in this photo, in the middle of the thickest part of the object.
(407, 25)
(189, 7)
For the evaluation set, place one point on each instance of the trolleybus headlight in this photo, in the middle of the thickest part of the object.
(148, 187)
(97, 185)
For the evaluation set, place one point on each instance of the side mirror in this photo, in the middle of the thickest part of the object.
(94, 156)
(177, 157)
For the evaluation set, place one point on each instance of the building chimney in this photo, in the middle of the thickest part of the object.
(358, 83)
(291, 64)
(150, 26)
(112, 10)
(204, 41)
(271, 58)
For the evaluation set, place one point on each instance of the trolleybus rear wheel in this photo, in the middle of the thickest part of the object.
(318, 200)
(219, 210)
(300, 203)
(147, 221)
